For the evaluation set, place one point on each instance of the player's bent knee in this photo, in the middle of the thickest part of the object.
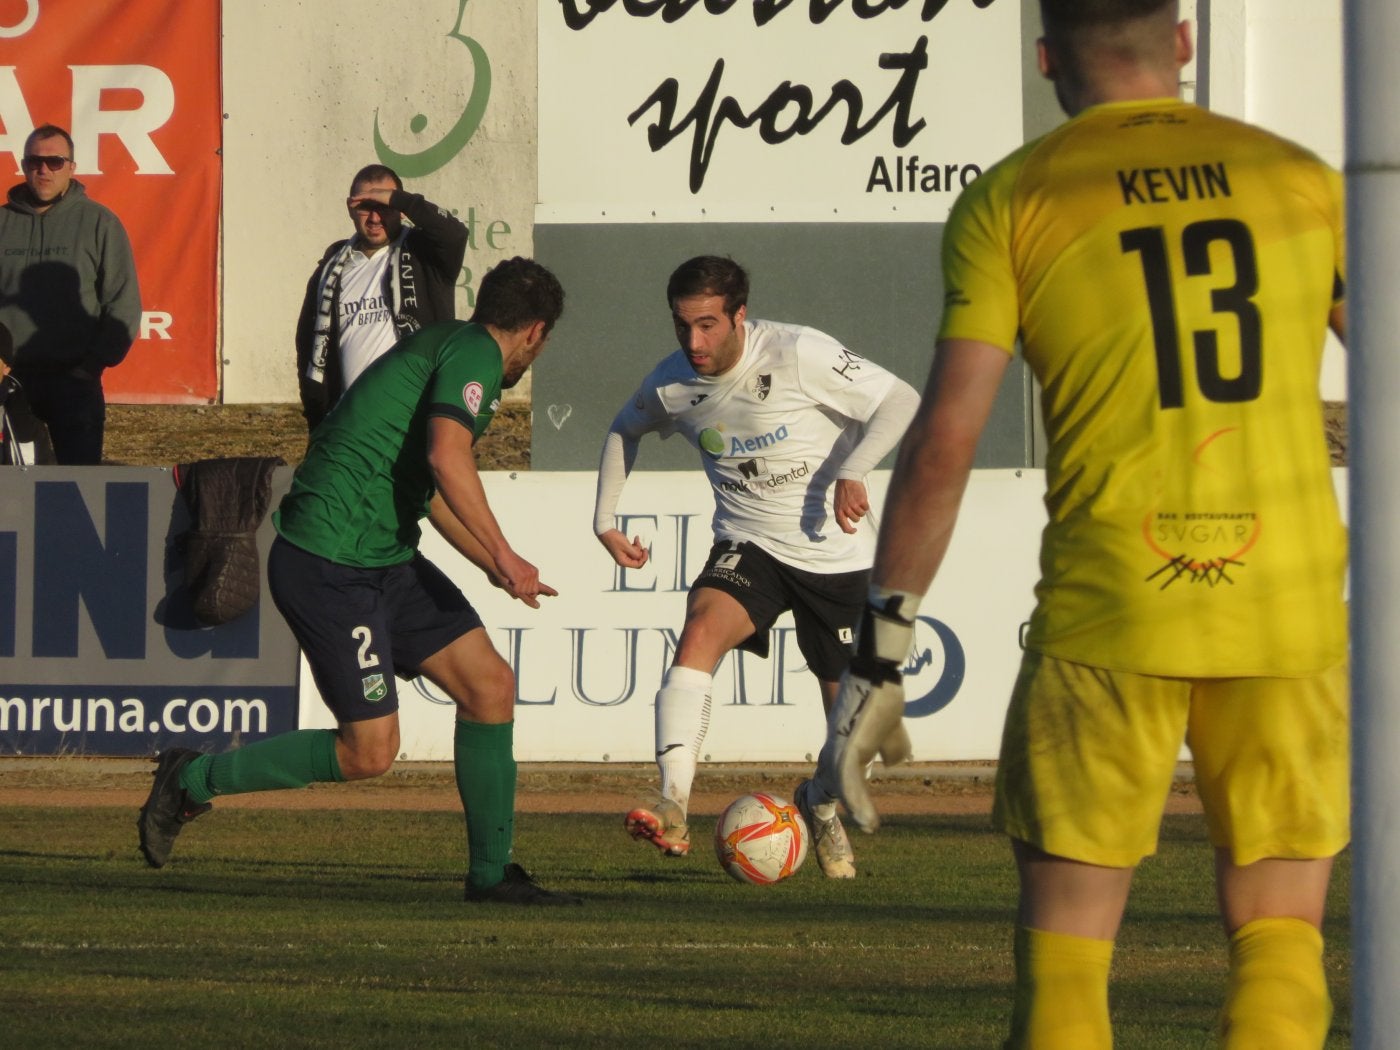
(360, 760)
(499, 686)
(367, 766)
(702, 646)
(491, 695)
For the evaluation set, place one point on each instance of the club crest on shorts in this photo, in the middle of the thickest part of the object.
(728, 562)
(375, 689)
(472, 394)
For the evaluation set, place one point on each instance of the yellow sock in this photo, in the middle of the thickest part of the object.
(1277, 993)
(1061, 992)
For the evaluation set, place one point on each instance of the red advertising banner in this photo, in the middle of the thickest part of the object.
(136, 83)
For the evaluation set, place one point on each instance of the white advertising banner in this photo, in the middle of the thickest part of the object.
(772, 111)
(588, 663)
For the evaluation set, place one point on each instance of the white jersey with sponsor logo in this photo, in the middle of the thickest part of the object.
(366, 321)
(772, 433)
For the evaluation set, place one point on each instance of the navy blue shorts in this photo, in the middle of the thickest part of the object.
(826, 606)
(361, 627)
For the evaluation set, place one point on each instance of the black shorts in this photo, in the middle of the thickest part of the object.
(361, 627)
(826, 606)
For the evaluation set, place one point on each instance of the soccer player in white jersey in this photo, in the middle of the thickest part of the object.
(787, 422)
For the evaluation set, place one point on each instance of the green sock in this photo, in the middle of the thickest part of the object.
(289, 760)
(484, 757)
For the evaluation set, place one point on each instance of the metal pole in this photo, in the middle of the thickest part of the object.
(1371, 37)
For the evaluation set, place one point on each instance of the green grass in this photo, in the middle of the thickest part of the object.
(347, 929)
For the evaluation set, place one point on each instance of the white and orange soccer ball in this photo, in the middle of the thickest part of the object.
(760, 838)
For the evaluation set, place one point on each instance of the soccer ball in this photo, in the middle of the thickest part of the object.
(760, 839)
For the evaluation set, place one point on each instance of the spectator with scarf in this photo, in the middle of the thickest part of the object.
(391, 278)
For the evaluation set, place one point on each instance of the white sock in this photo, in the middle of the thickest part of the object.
(682, 719)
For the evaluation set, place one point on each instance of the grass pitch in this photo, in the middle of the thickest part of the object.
(347, 929)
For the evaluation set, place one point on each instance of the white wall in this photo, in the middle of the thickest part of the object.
(1278, 63)
(303, 83)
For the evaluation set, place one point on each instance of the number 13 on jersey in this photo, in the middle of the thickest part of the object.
(1155, 252)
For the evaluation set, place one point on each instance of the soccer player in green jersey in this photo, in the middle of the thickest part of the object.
(366, 606)
(1170, 275)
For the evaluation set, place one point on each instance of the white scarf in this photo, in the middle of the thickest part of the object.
(328, 289)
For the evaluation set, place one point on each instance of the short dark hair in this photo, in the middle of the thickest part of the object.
(710, 275)
(48, 131)
(373, 173)
(516, 293)
(1065, 17)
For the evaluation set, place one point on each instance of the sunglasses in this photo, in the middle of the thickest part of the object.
(32, 162)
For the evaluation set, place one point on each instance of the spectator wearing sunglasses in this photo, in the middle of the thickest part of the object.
(68, 294)
(391, 278)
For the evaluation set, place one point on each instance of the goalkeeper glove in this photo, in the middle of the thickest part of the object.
(868, 716)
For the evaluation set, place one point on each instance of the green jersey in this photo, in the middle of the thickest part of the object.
(364, 486)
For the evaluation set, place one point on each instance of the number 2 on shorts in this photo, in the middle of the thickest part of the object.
(365, 637)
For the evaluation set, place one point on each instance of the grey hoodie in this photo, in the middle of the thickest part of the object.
(68, 289)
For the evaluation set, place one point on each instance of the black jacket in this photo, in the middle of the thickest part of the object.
(24, 439)
(431, 258)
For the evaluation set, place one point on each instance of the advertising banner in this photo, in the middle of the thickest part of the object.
(588, 663)
(136, 84)
(100, 652)
(772, 111)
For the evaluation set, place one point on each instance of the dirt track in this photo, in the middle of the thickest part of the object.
(162, 435)
(542, 788)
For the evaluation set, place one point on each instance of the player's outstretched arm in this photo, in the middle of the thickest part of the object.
(459, 485)
(935, 462)
(619, 454)
(463, 542)
(931, 473)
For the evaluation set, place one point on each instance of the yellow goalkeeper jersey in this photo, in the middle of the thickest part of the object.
(1169, 273)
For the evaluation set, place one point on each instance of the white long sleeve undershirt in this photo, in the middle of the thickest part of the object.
(619, 455)
(882, 432)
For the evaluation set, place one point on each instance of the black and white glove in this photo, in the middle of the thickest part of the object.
(868, 716)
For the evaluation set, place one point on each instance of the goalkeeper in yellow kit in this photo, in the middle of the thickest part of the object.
(1170, 275)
